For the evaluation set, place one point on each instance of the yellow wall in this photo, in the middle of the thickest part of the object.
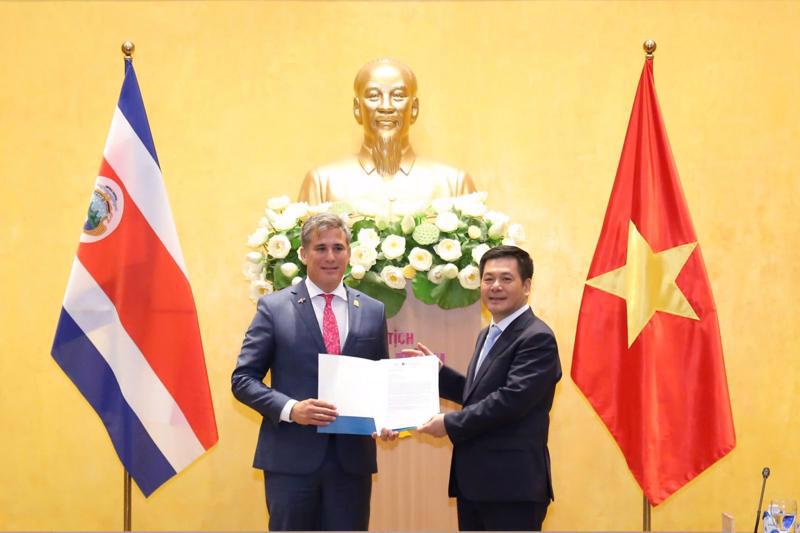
(532, 98)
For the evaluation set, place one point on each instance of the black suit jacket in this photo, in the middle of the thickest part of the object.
(284, 339)
(500, 435)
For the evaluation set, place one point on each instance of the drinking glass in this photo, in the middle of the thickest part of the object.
(783, 513)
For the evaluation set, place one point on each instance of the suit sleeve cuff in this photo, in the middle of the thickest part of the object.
(286, 412)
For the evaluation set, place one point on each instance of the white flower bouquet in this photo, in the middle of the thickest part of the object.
(435, 247)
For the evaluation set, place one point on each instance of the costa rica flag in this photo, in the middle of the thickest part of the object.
(128, 335)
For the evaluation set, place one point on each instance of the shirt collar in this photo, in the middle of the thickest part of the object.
(406, 160)
(503, 324)
(314, 290)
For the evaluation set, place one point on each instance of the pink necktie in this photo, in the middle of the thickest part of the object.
(330, 330)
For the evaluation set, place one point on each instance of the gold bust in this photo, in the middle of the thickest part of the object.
(386, 169)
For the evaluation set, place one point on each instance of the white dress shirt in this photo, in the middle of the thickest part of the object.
(339, 305)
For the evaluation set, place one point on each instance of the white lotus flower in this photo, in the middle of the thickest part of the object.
(407, 224)
(498, 224)
(474, 232)
(357, 271)
(363, 255)
(259, 288)
(447, 221)
(367, 207)
(450, 271)
(255, 257)
(420, 259)
(284, 222)
(258, 238)
(440, 205)
(319, 208)
(435, 274)
(296, 280)
(252, 271)
(517, 232)
(296, 210)
(382, 222)
(369, 237)
(508, 241)
(289, 269)
(448, 249)
(393, 246)
(263, 222)
(497, 230)
(478, 252)
(279, 246)
(495, 217)
(470, 277)
(393, 277)
(278, 203)
(474, 210)
(471, 204)
(471, 198)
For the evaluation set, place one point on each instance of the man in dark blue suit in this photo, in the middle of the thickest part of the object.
(500, 470)
(313, 481)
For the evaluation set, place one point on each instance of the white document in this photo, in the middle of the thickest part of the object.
(394, 393)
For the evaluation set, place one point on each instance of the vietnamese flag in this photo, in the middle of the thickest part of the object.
(648, 354)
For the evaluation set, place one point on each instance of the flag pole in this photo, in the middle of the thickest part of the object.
(649, 47)
(127, 50)
(126, 506)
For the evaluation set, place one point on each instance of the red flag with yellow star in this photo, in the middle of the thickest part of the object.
(647, 353)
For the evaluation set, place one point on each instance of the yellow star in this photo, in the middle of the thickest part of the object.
(647, 282)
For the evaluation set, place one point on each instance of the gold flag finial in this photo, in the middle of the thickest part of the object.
(649, 47)
(128, 48)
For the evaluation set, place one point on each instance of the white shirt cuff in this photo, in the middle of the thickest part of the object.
(286, 412)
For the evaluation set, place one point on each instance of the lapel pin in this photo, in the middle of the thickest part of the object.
(301, 300)
(356, 303)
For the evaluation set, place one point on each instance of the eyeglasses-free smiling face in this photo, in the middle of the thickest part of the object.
(502, 289)
(326, 257)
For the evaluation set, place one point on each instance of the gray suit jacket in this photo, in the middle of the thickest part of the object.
(284, 340)
(500, 435)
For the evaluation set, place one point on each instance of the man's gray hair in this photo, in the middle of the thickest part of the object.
(322, 222)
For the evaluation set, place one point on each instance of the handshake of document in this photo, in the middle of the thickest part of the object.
(394, 395)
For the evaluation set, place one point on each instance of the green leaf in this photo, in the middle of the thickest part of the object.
(363, 224)
(372, 285)
(395, 229)
(451, 295)
(294, 237)
(423, 287)
(279, 281)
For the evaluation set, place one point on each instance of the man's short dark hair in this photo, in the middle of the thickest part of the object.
(524, 261)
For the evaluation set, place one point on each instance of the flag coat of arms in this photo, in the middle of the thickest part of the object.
(648, 354)
(128, 335)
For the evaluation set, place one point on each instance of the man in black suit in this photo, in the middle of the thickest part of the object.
(500, 470)
(313, 481)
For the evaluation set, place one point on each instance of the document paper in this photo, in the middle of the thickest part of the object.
(370, 395)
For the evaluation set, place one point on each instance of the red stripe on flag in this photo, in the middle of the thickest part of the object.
(155, 306)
